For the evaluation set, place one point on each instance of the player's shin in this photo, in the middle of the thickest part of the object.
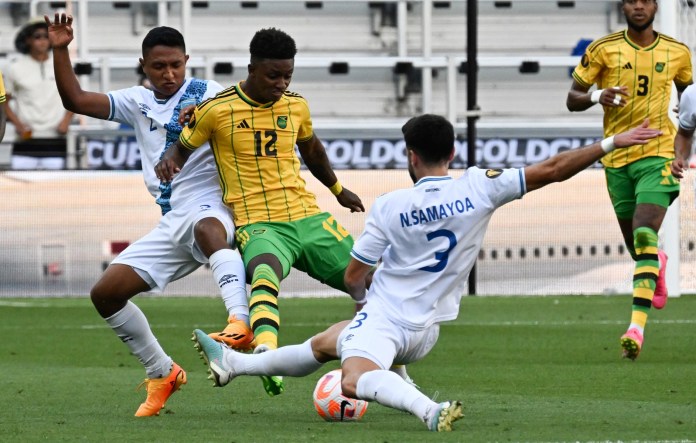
(293, 361)
(389, 389)
(645, 275)
(263, 306)
(228, 271)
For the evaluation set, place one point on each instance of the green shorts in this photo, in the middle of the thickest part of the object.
(317, 245)
(648, 180)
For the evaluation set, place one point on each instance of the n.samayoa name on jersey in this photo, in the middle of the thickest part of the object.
(438, 212)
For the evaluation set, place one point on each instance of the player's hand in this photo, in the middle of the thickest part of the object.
(612, 97)
(166, 169)
(679, 167)
(186, 114)
(60, 31)
(639, 135)
(349, 200)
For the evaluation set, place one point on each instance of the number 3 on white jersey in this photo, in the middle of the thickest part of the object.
(441, 256)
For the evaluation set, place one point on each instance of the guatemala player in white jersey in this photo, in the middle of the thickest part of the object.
(428, 238)
(195, 228)
(687, 109)
(684, 140)
(156, 125)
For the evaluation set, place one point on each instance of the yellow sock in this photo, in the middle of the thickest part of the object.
(645, 274)
(263, 306)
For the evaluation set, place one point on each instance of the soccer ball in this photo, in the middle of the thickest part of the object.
(330, 402)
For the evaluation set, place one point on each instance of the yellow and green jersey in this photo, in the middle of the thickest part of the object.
(3, 94)
(614, 60)
(254, 148)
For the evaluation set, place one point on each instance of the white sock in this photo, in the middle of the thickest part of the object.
(293, 361)
(389, 389)
(132, 328)
(229, 274)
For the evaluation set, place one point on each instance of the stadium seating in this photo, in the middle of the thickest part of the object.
(524, 51)
(362, 34)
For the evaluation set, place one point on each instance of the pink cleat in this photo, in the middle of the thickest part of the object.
(631, 342)
(660, 296)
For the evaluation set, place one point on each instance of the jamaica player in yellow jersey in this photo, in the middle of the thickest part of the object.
(253, 127)
(634, 71)
(3, 103)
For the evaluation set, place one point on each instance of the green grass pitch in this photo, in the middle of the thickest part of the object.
(528, 369)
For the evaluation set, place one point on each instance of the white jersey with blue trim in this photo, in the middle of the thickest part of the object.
(428, 238)
(156, 128)
(687, 108)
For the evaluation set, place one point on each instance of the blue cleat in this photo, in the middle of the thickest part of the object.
(213, 353)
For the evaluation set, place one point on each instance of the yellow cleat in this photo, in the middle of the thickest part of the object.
(442, 417)
(159, 390)
(237, 335)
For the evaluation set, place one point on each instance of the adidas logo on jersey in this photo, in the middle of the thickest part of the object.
(243, 125)
(628, 66)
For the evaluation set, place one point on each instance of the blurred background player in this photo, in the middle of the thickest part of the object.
(253, 127)
(683, 142)
(634, 71)
(195, 228)
(3, 105)
(37, 112)
(425, 262)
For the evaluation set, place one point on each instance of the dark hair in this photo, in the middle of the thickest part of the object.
(26, 32)
(163, 36)
(272, 43)
(430, 136)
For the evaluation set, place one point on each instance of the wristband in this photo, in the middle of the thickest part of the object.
(608, 144)
(336, 188)
(361, 302)
(594, 97)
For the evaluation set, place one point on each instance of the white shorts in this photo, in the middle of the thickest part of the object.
(169, 252)
(373, 336)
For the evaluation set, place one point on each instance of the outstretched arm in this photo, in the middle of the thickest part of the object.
(93, 104)
(314, 156)
(566, 164)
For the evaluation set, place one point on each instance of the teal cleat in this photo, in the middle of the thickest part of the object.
(213, 353)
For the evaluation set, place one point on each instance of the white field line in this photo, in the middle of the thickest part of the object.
(456, 323)
(216, 326)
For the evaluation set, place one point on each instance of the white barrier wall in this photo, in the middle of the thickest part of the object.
(59, 229)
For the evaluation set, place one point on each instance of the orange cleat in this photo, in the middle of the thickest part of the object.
(237, 335)
(159, 390)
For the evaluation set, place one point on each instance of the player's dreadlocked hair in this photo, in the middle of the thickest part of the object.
(163, 36)
(272, 43)
(430, 136)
